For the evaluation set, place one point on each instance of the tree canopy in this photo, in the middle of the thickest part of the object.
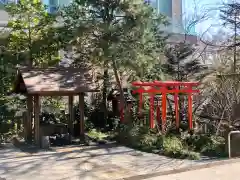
(32, 33)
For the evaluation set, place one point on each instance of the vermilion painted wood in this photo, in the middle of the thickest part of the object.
(140, 100)
(152, 111)
(190, 111)
(158, 113)
(176, 83)
(164, 109)
(165, 83)
(160, 87)
(159, 91)
(176, 106)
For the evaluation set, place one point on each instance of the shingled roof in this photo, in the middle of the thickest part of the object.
(54, 81)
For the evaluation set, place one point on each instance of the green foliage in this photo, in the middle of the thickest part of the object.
(32, 37)
(174, 147)
(180, 65)
(125, 32)
(145, 139)
(88, 125)
(7, 121)
(97, 135)
(114, 36)
(208, 145)
(53, 104)
(32, 34)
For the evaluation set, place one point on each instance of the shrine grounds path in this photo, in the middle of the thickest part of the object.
(222, 172)
(105, 162)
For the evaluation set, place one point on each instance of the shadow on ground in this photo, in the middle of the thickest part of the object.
(97, 162)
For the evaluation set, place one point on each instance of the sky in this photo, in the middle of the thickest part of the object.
(212, 24)
(192, 10)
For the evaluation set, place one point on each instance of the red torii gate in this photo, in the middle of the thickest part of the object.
(164, 88)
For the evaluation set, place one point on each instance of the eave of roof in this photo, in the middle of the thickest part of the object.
(59, 81)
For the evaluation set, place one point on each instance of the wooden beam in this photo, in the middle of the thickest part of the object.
(61, 92)
(29, 119)
(81, 110)
(36, 120)
(71, 115)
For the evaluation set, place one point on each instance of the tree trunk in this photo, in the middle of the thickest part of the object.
(115, 70)
(235, 47)
(105, 90)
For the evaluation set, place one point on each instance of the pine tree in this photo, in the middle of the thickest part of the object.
(180, 64)
(230, 16)
(115, 35)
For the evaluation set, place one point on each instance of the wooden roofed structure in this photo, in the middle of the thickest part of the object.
(53, 81)
(60, 81)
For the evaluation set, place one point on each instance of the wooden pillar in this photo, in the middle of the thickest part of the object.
(176, 106)
(25, 125)
(190, 124)
(81, 110)
(151, 111)
(158, 112)
(36, 121)
(29, 119)
(164, 109)
(71, 116)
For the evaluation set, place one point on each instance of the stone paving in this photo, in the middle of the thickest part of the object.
(223, 172)
(85, 163)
